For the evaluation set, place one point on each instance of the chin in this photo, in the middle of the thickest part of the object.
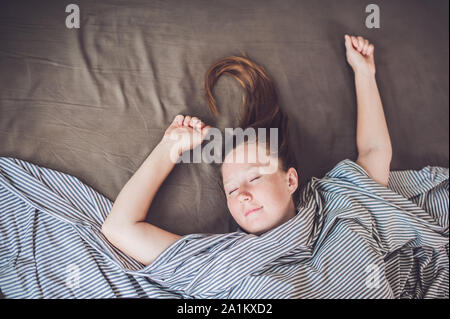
(258, 231)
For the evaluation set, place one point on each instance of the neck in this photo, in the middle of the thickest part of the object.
(291, 210)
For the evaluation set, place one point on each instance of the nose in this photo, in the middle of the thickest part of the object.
(245, 196)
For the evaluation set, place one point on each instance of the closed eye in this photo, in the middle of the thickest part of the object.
(253, 179)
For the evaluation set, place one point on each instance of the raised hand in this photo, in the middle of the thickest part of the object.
(360, 54)
(185, 133)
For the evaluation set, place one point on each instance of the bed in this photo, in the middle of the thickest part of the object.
(93, 102)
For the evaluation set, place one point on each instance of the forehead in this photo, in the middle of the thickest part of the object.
(246, 158)
(251, 153)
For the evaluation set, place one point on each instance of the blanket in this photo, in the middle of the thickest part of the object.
(351, 238)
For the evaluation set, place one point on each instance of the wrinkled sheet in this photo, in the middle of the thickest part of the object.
(93, 102)
(351, 238)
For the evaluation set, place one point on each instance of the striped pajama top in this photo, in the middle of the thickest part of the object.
(351, 238)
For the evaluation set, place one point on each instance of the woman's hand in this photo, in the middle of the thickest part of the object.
(185, 133)
(360, 54)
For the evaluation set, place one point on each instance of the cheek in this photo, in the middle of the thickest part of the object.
(235, 208)
(272, 192)
(232, 203)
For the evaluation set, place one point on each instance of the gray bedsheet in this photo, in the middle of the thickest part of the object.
(93, 102)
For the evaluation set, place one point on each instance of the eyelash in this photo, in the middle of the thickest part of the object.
(229, 193)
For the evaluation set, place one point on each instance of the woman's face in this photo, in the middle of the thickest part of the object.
(258, 191)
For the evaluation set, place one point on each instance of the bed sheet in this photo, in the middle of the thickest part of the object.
(351, 238)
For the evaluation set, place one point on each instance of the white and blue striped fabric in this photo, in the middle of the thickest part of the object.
(351, 238)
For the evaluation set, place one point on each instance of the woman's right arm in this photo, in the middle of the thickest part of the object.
(125, 227)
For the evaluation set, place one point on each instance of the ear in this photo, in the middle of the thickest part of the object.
(292, 180)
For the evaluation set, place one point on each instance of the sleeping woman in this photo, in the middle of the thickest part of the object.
(345, 235)
(258, 202)
(360, 231)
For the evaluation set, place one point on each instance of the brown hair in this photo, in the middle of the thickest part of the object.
(260, 102)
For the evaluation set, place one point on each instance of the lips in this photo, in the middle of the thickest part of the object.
(252, 210)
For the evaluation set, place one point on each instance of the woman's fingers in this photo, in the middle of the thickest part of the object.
(194, 122)
(365, 47)
(187, 120)
(178, 120)
(199, 126)
(362, 45)
(355, 42)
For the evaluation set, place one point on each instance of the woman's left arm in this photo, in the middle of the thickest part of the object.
(372, 135)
